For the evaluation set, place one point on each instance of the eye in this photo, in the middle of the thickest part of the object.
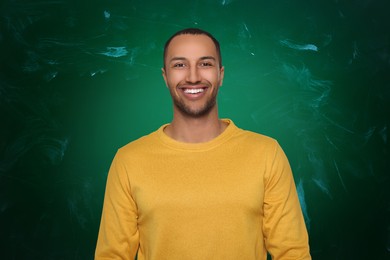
(206, 64)
(179, 65)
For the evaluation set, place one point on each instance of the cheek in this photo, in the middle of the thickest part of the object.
(213, 77)
(174, 78)
(172, 82)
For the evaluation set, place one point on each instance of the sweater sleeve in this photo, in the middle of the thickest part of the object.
(283, 227)
(118, 234)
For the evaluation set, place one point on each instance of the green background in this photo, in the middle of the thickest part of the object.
(79, 79)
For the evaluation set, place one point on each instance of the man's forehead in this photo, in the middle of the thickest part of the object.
(190, 42)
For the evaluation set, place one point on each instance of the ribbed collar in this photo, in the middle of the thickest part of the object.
(220, 139)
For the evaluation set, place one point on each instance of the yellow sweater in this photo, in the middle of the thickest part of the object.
(231, 198)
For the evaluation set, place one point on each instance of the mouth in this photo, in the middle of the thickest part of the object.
(194, 92)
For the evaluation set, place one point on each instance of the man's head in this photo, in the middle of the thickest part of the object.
(194, 31)
(193, 73)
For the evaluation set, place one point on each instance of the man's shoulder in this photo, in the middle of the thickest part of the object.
(255, 137)
(257, 143)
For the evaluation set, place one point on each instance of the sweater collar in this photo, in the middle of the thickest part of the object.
(223, 137)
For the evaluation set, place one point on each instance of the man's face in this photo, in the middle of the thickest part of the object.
(192, 74)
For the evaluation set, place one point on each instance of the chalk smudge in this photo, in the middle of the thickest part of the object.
(107, 14)
(115, 52)
(226, 2)
(297, 46)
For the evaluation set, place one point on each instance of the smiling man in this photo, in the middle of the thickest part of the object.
(200, 187)
(193, 73)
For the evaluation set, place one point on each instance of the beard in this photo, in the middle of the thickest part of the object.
(198, 112)
(195, 113)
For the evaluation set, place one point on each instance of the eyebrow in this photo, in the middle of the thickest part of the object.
(201, 58)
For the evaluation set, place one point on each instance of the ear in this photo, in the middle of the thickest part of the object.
(221, 75)
(164, 76)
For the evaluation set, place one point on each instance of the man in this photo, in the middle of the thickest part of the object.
(200, 187)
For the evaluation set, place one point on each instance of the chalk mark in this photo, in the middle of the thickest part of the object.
(115, 52)
(339, 174)
(297, 46)
(338, 125)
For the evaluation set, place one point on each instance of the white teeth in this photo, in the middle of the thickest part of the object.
(193, 91)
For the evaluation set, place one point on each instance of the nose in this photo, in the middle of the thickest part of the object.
(193, 75)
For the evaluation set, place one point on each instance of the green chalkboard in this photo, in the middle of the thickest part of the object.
(79, 79)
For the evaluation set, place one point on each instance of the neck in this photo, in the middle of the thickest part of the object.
(195, 130)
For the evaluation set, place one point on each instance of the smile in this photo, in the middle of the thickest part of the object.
(194, 90)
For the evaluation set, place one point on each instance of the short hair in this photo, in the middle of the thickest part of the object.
(194, 31)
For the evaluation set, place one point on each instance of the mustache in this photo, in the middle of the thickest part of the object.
(196, 84)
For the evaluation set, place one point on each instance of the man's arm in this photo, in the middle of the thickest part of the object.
(118, 235)
(284, 227)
